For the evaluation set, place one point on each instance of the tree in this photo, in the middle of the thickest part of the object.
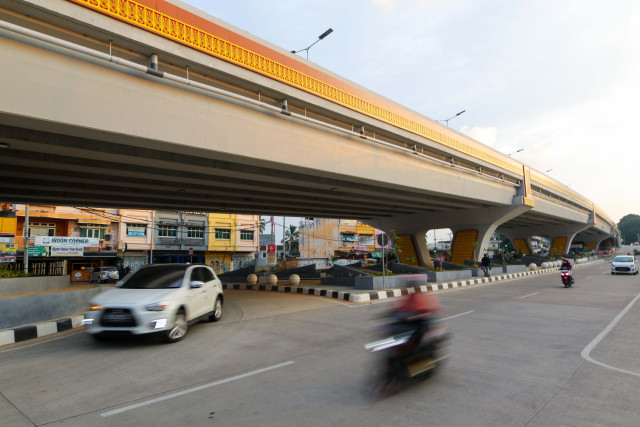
(291, 234)
(629, 227)
(263, 225)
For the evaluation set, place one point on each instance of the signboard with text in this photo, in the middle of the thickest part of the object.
(77, 242)
(8, 252)
(38, 251)
(66, 251)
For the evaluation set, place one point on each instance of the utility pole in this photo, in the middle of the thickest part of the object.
(26, 239)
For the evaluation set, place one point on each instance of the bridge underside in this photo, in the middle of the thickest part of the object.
(47, 167)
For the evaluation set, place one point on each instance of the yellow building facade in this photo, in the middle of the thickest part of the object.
(233, 241)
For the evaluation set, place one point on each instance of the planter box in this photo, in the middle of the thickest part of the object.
(449, 276)
(516, 268)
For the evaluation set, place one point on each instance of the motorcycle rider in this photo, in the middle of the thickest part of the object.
(566, 265)
(416, 312)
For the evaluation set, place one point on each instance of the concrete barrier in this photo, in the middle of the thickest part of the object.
(26, 309)
(26, 285)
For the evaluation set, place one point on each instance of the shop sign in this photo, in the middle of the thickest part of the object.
(38, 251)
(271, 254)
(359, 249)
(366, 240)
(8, 252)
(6, 239)
(67, 251)
(136, 233)
(69, 242)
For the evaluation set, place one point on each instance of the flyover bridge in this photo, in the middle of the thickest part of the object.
(153, 104)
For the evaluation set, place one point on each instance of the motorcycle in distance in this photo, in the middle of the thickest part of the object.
(403, 358)
(567, 277)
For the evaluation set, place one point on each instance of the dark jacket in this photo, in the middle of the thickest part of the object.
(485, 261)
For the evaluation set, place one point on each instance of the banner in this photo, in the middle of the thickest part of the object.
(76, 242)
(8, 252)
(271, 254)
(66, 251)
(38, 251)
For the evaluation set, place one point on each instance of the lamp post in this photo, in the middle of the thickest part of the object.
(453, 117)
(522, 149)
(320, 37)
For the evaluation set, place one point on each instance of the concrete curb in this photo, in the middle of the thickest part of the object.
(366, 297)
(37, 330)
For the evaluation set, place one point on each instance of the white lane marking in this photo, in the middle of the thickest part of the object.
(530, 295)
(192, 390)
(457, 315)
(41, 342)
(586, 352)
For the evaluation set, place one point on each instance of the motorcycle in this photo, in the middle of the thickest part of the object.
(567, 277)
(400, 363)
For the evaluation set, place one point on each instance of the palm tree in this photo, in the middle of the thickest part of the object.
(263, 225)
(291, 234)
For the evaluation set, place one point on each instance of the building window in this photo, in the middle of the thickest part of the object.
(92, 230)
(195, 232)
(223, 233)
(167, 230)
(246, 234)
(42, 229)
(139, 230)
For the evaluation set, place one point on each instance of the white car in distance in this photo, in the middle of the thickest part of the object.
(157, 299)
(624, 264)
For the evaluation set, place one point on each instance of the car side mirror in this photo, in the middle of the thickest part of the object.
(195, 284)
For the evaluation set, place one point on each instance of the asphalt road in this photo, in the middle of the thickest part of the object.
(525, 352)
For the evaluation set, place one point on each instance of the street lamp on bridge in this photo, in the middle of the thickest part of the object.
(320, 37)
(453, 117)
(522, 149)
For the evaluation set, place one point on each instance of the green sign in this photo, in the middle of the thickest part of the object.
(38, 251)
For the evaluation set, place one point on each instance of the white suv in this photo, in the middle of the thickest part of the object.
(159, 298)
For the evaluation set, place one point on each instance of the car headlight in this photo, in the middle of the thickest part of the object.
(157, 306)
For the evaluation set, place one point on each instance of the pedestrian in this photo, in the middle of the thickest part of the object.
(485, 263)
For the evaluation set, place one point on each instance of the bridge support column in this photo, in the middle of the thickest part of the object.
(472, 230)
(472, 237)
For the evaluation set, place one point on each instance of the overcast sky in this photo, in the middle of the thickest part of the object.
(557, 78)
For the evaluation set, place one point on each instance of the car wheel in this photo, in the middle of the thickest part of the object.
(179, 328)
(217, 311)
(100, 337)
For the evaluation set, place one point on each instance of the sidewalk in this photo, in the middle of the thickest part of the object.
(22, 333)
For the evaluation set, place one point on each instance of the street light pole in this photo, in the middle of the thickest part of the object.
(453, 117)
(522, 149)
(320, 37)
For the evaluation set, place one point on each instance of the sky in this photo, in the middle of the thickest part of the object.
(557, 79)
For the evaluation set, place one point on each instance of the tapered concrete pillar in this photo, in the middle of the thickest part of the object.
(472, 230)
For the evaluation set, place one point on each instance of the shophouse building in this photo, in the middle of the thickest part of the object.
(233, 241)
(180, 237)
(323, 239)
